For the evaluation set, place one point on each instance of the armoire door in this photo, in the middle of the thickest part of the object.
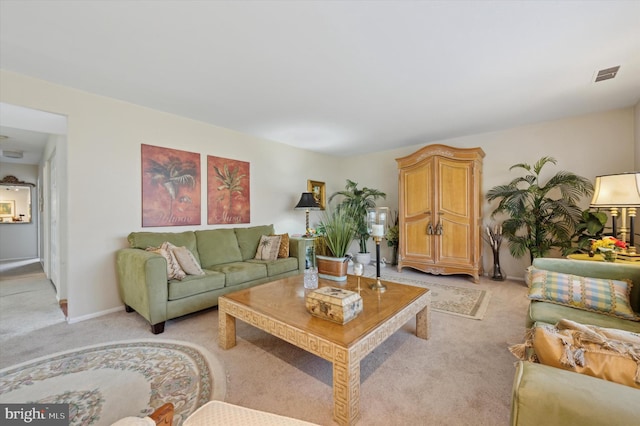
(417, 218)
(454, 211)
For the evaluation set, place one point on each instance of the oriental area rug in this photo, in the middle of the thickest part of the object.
(105, 383)
(461, 301)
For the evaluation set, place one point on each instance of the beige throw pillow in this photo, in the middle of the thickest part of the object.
(187, 261)
(174, 271)
(268, 247)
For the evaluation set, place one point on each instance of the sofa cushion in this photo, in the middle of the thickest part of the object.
(144, 240)
(248, 239)
(240, 272)
(551, 313)
(605, 353)
(610, 297)
(268, 248)
(196, 284)
(278, 266)
(217, 246)
(549, 396)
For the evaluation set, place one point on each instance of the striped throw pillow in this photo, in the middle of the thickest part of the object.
(610, 297)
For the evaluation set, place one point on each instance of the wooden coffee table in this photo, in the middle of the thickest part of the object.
(279, 309)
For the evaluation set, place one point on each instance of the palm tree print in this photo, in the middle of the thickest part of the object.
(172, 174)
(230, 181)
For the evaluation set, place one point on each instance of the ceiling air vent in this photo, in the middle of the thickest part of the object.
(607, 74)
(12, 154)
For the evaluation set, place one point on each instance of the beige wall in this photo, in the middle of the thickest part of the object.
(587, 145)
(102, 188)
(636, 128)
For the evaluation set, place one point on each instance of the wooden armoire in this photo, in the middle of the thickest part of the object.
(440, 210)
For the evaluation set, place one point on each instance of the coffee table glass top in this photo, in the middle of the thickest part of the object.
(284, 300)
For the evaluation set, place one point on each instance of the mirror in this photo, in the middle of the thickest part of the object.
(15, 201)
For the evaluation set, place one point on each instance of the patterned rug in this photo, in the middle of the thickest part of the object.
(105, 383)
(461, 301)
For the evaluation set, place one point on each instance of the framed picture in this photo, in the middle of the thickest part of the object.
(170, 187)
(228, 191)
(317, 188)
(7, 208)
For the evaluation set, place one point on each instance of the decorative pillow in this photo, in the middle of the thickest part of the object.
(609, 297)
(187, 260)
(174, 271)
(283, 251)
(606, 353)
(268, 247)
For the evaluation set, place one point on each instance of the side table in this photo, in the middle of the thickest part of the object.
(598, 258)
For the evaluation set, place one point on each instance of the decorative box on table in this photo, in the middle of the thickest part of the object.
(334, 304)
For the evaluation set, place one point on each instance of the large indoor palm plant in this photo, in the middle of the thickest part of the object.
(357, 201)
(541, 216)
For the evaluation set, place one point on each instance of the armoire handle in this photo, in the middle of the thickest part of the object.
(439, 228)
(429, 229)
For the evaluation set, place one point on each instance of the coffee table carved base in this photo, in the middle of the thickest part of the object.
(345, 360)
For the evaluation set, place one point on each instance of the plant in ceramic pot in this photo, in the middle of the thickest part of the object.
(336, 230)
(393, 237)
(357, 201)
(542, 215)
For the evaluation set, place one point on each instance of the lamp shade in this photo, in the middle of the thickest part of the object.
(307, 201)
(620, 190)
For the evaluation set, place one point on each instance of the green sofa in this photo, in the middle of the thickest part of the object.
(555, 397)
(225, 255)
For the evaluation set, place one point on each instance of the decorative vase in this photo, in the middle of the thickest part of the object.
(609, 255)
(364, 258)
(394, 255)
(497, 272)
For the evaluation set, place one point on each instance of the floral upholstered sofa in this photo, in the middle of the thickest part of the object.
(164, 275)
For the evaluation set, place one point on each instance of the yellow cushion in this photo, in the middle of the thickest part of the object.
(605, 353)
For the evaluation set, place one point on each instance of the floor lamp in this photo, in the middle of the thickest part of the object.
(621, 194)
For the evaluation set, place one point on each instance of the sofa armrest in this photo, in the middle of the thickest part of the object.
(555, 397)
(585, 268)
(143, 283)
(298, 249)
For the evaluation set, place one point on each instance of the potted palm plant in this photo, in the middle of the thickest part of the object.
(537, 221)
(336, 230)
(357, 201)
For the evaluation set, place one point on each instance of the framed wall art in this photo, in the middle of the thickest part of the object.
(228, 197)
(7, 208)
(317, 188)
(170, 187)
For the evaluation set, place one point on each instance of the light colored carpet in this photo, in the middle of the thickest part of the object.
(104, 383)
(20, 268)
(450, 299)
(462, 375)
(27, 304)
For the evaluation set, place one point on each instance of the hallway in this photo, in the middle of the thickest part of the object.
(27, 299)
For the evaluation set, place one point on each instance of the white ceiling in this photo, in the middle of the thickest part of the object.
(337, 77)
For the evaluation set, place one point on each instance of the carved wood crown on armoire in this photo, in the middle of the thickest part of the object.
(440, 210)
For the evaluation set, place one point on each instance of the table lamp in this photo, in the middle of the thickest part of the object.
(307, 202)
(619, 191)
